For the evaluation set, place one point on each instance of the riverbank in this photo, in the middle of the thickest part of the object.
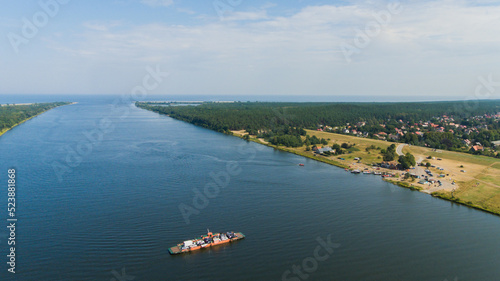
(466, 179)
(482, 195)
(21, 122)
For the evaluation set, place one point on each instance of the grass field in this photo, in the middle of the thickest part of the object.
(367, 158)
(477, 177)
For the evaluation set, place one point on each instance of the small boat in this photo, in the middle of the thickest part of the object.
(301, 164)
(367, 172)
(355, 171)
(205, 241)
(377, 173)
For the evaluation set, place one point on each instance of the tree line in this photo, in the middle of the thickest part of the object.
(280, 123)
(10, 115)
(255, 116)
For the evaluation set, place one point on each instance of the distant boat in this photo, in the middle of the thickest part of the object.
(355, 171)
(301, 164)
(367, 172)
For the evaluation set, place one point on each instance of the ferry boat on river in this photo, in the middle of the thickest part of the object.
(205, 241)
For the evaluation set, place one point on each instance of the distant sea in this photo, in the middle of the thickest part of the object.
(25, 98)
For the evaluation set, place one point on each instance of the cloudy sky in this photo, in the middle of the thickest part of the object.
(243, 47)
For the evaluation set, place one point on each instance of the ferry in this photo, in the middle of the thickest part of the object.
(205, 241)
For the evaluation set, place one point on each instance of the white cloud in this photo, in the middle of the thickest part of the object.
(241, 16)
(100, 26)
(430, 48)
(156, 3)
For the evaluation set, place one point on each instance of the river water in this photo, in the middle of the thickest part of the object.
(100, 190)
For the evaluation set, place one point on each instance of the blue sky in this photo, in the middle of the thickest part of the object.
(407, 48)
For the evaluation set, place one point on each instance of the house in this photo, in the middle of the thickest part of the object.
(323, 150)
(477, 148)
(393, 137)
(389, 165)
(496, 143)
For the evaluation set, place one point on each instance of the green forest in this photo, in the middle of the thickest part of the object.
(10, 115)
(281, 123)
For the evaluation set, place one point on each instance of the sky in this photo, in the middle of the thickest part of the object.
(240, 47)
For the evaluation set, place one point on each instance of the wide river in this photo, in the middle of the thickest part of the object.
(100, 190)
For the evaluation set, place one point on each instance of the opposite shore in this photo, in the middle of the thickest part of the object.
(21, 122)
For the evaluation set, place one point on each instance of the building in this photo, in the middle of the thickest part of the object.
(393, 137)
(477, 148)
(389, 165)
(323, 150)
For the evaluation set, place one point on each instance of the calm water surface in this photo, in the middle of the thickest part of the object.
(115, 210)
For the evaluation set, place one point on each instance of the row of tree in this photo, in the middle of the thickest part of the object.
(10, 115)
(283, 123)
(255, 116)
